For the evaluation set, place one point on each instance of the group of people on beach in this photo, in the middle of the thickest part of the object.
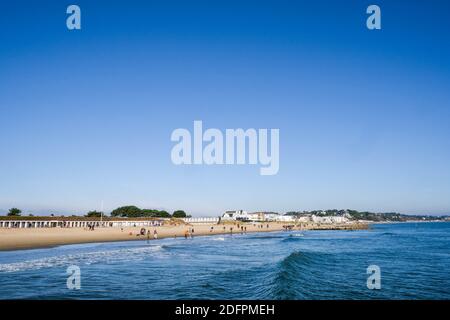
(189, 234)
(155, 234)
(261, 226)
(239, 227)
(148, 232)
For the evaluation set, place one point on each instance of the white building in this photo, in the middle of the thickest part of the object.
(255, 216)
(235, 215)
(329, 219)
(304, 219)
(271, 216)
(242, 215)
(285, 218)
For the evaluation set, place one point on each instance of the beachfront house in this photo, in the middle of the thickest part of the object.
(329, 219)
(233, 215)
(273, 216)
(241, 215)
(304, 219)
(285, 218)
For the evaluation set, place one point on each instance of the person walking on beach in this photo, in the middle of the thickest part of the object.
(186, 233)
(211, 229)
(155, 234)
(231, 230)
(148, 235)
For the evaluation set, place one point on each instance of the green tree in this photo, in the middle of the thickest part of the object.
(94, 213)
(149, 212)
(127, 211)
(162, 214)
(14, 212)
(179, 214)
(155, 213)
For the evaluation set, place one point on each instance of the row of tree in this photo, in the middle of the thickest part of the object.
(127, 211)
(135, 212)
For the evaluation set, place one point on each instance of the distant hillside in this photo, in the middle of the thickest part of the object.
(370, 216)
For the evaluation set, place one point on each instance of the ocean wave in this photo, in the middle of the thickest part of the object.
(267, 237)
(85, 258)
(302, 259)
(293, 238)
(294, 273)
(388, 234)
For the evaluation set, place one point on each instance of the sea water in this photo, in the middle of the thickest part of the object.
(414, 261)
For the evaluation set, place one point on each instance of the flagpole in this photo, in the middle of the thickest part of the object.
(101, 215)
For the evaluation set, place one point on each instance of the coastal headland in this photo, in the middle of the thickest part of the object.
(30, 238)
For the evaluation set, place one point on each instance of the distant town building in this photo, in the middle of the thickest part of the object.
(329, 219)
(241, 215)
(235, 215)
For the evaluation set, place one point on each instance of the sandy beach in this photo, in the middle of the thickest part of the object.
(26, 238)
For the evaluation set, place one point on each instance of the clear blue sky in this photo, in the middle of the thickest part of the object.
(86, 116)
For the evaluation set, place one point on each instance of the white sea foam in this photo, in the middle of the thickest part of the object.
(219, 239)
(86, 258)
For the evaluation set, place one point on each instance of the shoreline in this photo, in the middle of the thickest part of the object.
(26, 239)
